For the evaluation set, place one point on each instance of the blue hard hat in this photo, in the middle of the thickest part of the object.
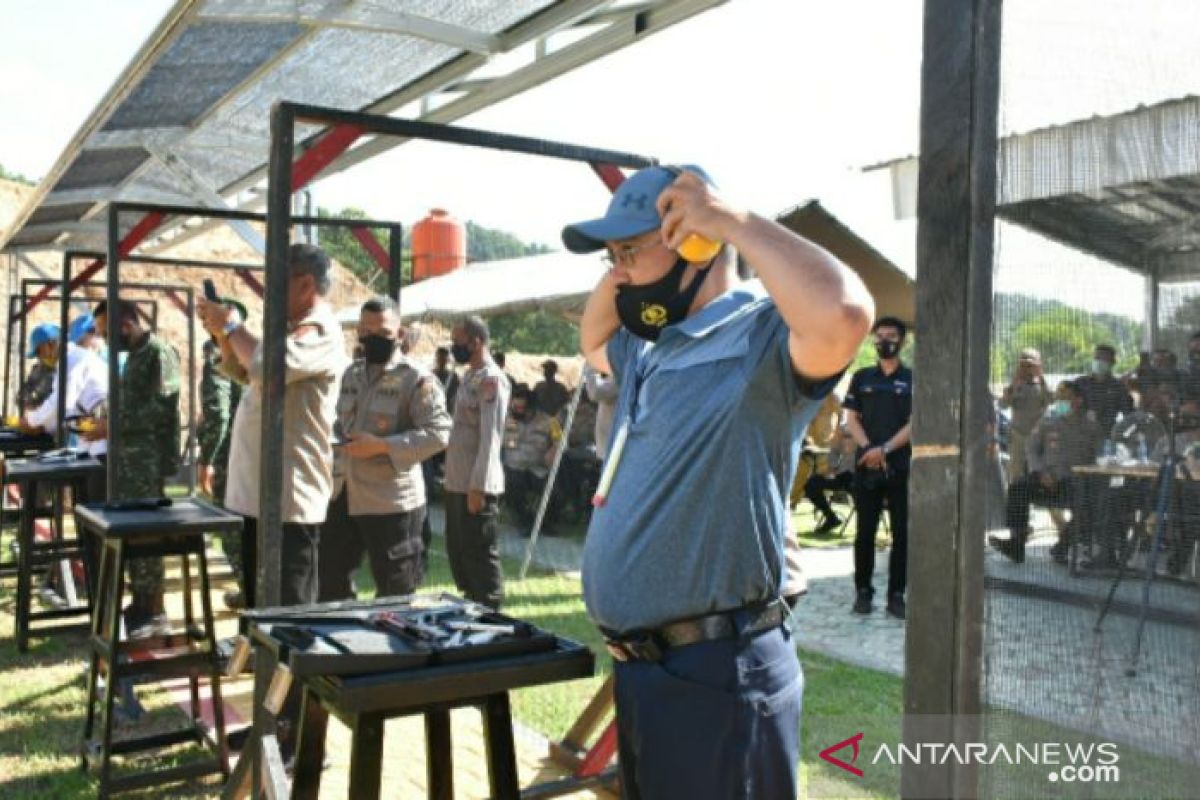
(631, 212)
(46, 332)
(80, 327)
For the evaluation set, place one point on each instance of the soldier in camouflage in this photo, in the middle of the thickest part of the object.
(149, 451)
(219, 398)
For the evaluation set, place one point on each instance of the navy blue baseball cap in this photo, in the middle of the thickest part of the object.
(631, 212)
(46, 332)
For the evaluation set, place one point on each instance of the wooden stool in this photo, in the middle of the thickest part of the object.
(127, 533)
(56, 475)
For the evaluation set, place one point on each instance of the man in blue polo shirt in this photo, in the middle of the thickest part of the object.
(684, 562)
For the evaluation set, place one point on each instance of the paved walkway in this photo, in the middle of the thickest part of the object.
(1042, 657)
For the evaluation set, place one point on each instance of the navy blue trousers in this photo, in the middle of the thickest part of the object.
(716, 720)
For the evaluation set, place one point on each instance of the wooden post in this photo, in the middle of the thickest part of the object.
(952, 407)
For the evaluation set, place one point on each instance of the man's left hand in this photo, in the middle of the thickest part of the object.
(873, 458)
(364, 445)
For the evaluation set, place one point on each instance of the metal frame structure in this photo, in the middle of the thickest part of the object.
(177, 127)
(121, 249)
(16, 318)
(288, 174)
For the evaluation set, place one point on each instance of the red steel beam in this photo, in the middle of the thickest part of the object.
(367, 239)
(136, 235)
(323, 151)
(611, 174)
(248, 278)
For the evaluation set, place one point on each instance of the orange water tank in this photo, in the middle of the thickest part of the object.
(439, 245)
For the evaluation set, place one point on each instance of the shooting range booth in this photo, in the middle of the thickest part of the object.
(287, 174)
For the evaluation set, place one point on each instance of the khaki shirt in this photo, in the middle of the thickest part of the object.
(315, 362)
(473, 457)
(1059, 443)
(1028, 402)
(404, 405)
(527, 441)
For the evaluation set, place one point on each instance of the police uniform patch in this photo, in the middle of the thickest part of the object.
(488, 388)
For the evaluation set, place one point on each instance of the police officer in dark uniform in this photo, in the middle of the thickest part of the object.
(879, 406)
(1104, 396)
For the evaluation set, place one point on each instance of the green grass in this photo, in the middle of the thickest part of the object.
(42, 695)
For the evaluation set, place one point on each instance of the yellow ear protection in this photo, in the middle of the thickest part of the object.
(695, 249)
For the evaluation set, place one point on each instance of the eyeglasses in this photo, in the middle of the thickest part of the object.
(626, 255)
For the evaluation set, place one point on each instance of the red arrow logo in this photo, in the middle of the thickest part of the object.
(853, 741)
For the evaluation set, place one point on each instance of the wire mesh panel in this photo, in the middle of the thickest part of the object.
(1092, 626)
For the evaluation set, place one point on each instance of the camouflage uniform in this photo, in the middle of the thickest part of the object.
(219, 398)
(149, 451)
(37, 386)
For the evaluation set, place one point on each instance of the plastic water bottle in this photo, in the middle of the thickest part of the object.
(1143, 456)
(1109, 453)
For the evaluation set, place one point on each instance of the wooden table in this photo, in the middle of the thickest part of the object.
(58, 474)
(15, 443)
(364, 702)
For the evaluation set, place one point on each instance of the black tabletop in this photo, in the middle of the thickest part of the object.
(186, 515)
(413, 688)
(13, 440)
(55, 468)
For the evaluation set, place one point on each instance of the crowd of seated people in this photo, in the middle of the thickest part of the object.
(1052, 435)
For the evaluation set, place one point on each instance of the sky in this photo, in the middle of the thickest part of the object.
(780, 100)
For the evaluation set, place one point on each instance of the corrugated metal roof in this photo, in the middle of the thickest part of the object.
(1124, 187)
(188, 121)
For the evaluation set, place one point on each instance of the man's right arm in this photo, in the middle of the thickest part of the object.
(599, 323)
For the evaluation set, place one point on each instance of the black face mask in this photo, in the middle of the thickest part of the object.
(887, 348)
(646, 310)
(124, 342)
(461, 353)
(377, 349)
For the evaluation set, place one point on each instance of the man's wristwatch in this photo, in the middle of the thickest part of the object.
(884, 448)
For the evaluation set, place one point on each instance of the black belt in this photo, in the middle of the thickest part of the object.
(649, 645)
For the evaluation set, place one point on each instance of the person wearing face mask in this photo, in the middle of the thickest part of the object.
(686, 564)
(530, 435)
(1028, 397)
(150, 446)
(878, 415)
(391, 416)
(1066, 438)
(1104, 394)
(474, 471)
